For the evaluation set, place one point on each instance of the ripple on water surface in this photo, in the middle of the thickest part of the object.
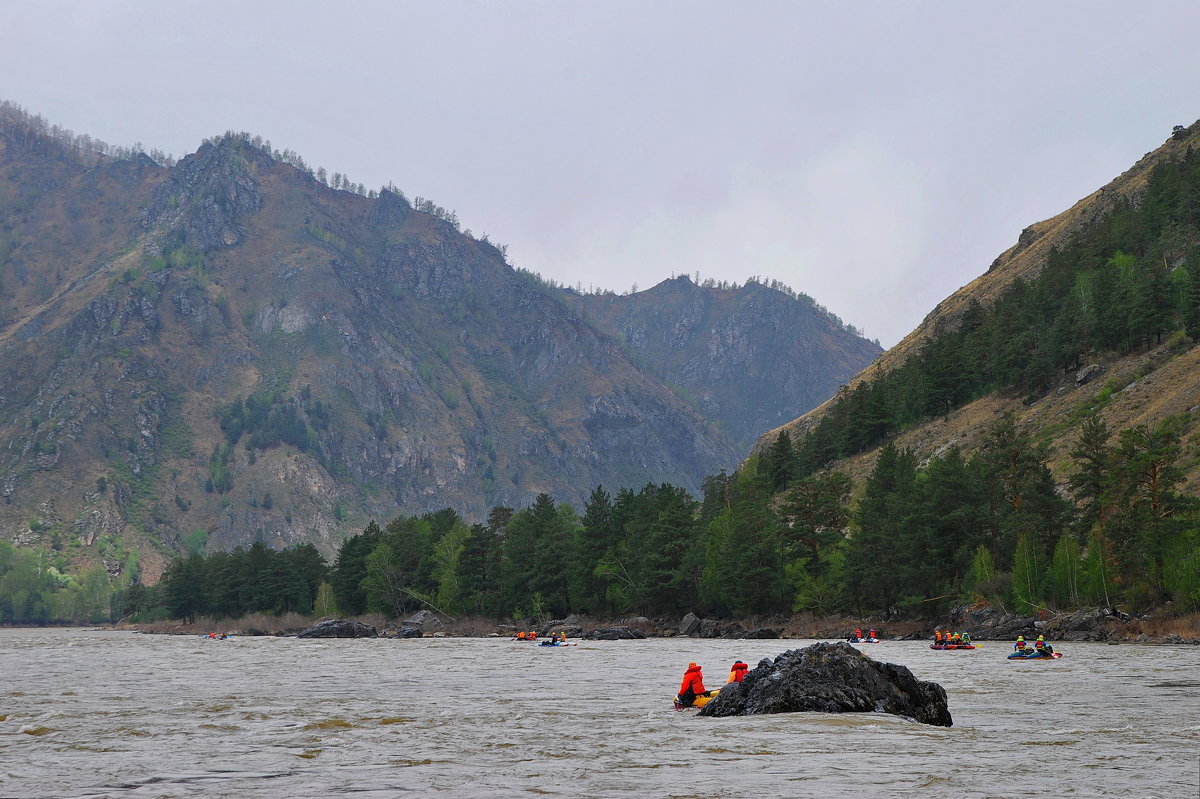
(483, 718)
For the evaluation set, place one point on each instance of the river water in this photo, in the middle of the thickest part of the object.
(92, 713)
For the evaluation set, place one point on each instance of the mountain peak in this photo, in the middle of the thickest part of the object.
(207, 195)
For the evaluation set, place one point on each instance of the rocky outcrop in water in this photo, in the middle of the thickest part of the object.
(340, 628)
(832, 678)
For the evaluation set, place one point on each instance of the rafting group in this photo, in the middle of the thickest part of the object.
(554, 639)
(858, 638)
(692, 692)
(951, 639)
(1040, 649)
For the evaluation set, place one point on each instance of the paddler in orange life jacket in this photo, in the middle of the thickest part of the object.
(858, 634)
(737, 672)
(691, 687)
(521, 635)
(871, 635)
(937, 637)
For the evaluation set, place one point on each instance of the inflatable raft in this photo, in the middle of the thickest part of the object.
(701, 700)
(1034, 656)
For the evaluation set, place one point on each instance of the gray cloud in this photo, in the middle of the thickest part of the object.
(875, 155)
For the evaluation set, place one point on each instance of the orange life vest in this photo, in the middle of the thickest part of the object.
(692, 678)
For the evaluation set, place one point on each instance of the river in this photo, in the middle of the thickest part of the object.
(94, 713)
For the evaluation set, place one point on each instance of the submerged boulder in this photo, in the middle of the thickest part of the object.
(339, 628)
(831, 678)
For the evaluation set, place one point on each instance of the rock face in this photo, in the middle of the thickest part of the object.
(340, 628)
(832, 678)
(715, 344)
(993, 624)
(690, 625)
(615, 634)
(423, 620)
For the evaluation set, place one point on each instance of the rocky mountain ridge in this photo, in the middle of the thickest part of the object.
(228, 350)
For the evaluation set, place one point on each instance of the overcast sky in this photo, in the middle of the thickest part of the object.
(873, 155)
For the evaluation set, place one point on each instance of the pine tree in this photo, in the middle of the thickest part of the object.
(780, 462)
(349, 570)
(880, 530)
(597, 536)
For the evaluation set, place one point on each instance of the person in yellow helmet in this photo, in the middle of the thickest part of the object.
(1020, 644)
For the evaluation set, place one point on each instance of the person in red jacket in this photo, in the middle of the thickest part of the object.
(691, 687)
(737, 672)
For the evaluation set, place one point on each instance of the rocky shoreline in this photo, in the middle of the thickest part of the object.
(984, 623)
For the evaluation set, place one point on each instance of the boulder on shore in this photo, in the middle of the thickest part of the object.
(993, 624)
(615, 634)
(339, 628)
(424, 621)
(761, 632)
(831, 678)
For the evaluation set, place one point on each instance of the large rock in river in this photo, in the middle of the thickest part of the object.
(339, 628)
(831, 678)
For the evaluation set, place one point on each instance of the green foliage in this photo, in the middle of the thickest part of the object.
(195, 541)
(1108, 288)
(922, 536)
(1065, 580)
(1181, 573)
(1029, 575)
(247, 580)
(982, 580)
(33, 591)
(325, 605)
(268, 420)
(220, 479)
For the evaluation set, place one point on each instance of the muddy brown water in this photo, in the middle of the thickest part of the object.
(92, 713)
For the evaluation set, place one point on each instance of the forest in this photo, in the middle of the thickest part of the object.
(1125, 282)
(921, 537)
(785, 533)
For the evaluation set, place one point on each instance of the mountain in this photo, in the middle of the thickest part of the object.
(224, 350)
(746, 357)
(1095, 309)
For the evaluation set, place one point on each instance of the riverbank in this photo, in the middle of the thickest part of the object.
(984, 623)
